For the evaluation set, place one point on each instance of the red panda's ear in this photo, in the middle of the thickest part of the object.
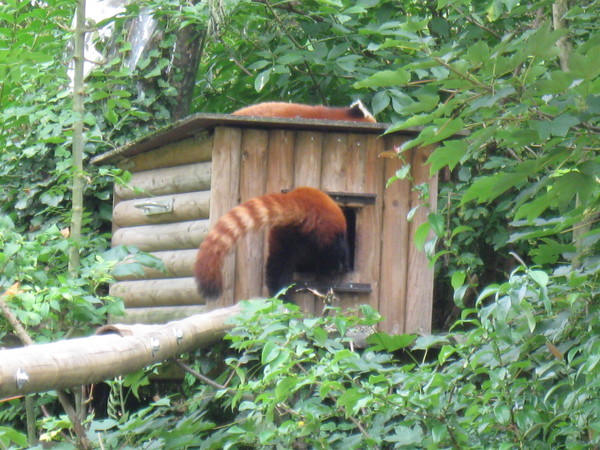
(359, 111)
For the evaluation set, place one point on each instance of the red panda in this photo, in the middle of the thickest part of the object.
(308, 234)
(355, 112)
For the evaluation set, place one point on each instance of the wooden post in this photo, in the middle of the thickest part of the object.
(419, 292)
(249, 270)
(225, 191)
(394, 248)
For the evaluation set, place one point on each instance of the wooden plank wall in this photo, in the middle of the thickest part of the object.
(179, 173)
(251, 162)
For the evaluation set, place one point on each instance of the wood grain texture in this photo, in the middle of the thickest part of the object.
(169, 236)
(225, 194)
(280, 172)
(196, 149)
(334, 178)
(419, 295)
(178, 264)
(395, 247)
(168, 180)
(162, 292)
(155, 315)
(76, 362)
(250, 265)
(368, 174)
(188, 206)
(274, 155)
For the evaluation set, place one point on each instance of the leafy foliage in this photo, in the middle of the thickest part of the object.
(517, 146)
(51, 303)
(525, 374)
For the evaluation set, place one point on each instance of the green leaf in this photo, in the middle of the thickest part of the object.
(478, 52)
(562, 124)
(458, 279)
(438, 223)
(487, 188)
(262, 79)
(449, 154)
(461, 229)
(540, 277)
(413, 121)
(421, 234)
(14, 436)
(10, 249)
(585, 67)
(390, 343)
(445, 352)
(284, 388)
(502, 414)
(401, 174)
(320, 335)
(270, 352)
(380, 101)
(549, 251)
(533, 209)
(542, 42)
(352, 400)
(51, 198)
(385, 78)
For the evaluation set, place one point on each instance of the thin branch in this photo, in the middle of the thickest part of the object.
(77, 141)
(464, 76)
(361, 429)
(469, 18)
(559, 9)
(198, 375)
(290, 7)
(12, 319)
(209, 381)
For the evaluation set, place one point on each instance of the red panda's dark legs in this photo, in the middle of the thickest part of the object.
(293, 251)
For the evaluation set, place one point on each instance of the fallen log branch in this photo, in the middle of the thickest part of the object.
(74, 362)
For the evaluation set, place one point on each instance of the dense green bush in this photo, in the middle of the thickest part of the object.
(524, 374)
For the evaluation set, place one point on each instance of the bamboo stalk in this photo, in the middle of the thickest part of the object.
(77, 156)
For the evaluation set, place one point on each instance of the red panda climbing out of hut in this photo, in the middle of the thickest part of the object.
(308, 234)
(355, 112)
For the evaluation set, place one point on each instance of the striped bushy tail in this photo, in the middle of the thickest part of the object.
(307, 208)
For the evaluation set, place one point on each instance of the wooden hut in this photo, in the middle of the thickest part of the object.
(187, 175)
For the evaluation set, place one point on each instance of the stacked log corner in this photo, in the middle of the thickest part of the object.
(177, 174)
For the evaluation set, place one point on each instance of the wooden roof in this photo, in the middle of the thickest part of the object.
(199, 123)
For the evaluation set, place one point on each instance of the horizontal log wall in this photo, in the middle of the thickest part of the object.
(167, 236)
(182, 207)
(164, 210)
(187, 178)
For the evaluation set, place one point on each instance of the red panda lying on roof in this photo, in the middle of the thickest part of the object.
(355, 112)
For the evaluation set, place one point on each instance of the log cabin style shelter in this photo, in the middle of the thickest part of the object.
(187, 175)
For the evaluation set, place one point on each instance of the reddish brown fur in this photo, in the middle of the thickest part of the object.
(356, 112)
(306, 210)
